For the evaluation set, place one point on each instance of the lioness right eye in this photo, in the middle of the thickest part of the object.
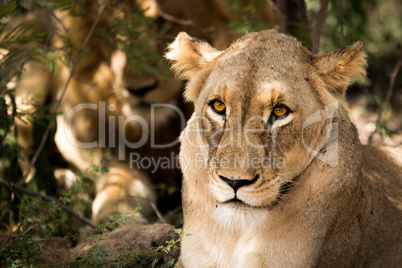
(280, 110)
(218, 107)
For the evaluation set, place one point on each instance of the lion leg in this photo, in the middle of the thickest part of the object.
(30, 92)
(119, 192)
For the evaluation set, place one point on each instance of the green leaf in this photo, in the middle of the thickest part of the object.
(168, 264)
(178, 231)
(154, 262)
(5, 11)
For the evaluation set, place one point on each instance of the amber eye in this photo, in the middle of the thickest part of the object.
(280, 110)
(218, 107)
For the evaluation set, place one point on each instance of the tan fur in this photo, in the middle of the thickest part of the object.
(330, 202)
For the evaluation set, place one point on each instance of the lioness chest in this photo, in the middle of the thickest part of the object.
(250, 248)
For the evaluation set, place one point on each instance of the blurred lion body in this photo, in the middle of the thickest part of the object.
(114, 91)
(330, 203)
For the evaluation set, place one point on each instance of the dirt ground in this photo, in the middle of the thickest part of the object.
(125, 238)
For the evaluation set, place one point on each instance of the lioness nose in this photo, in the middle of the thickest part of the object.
(237, 183)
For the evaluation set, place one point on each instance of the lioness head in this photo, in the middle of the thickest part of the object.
(264, 109)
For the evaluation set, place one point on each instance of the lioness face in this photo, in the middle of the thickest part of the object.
(263, 110)
(138, 81)
(252, 121)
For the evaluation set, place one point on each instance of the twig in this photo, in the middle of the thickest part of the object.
(49, 23)
(13, 186)
(153, 205)
(82, 81)
(174, 19)
(157, 212)
(389, 93)
(342, 23)
(322, 14)
(173, 212)
(54, 16)
(56, 107)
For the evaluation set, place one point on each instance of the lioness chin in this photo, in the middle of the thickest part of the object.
(274, 173)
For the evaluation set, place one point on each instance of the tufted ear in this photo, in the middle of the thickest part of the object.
(190, 55)
(341, 67)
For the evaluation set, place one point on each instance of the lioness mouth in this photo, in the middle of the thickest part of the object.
(234, 200)
(237, 203)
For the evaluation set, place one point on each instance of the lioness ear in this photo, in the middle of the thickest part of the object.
(190, 55)
(341, 67)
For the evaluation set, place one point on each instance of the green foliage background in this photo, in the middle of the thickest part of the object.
(379, 25)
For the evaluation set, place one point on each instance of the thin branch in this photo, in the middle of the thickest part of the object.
(91, 31)
(54, 16)
(389, 93)
(342, 23)
(49, 23)
(157, 212)
(153, 205)
(173, 212)
(322, 14)
(174, 19)
(57, 106)
(13, 186)
(82, 81)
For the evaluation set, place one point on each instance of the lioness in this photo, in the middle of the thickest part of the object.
(274, 173)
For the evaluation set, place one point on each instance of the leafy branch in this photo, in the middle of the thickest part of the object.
(390, 90)
(13, 187)
(57, 105)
